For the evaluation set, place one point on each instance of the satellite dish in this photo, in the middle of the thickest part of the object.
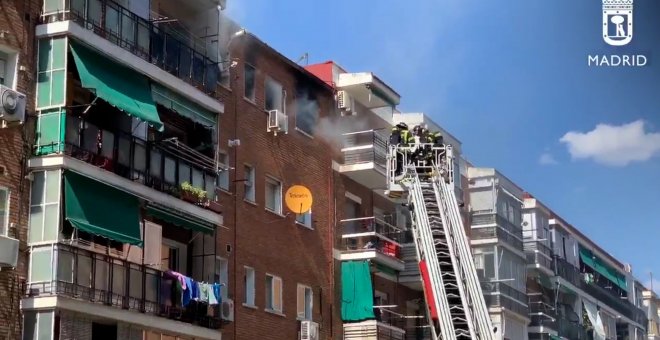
(298, 199)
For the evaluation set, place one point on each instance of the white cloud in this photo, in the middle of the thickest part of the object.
(614, 145)
(547, 159)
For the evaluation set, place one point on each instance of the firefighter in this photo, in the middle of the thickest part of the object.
(438, 140)
(400, 137)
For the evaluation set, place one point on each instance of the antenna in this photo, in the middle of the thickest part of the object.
(304, 57)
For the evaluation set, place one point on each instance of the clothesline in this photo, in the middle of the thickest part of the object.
(192, 290)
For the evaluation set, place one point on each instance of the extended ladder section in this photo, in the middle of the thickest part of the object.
(455, 302)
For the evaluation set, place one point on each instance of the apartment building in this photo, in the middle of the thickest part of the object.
(124, 215)
(280, 263)
(496, 239)
(575, 288)
(652, 308)
(16, 77)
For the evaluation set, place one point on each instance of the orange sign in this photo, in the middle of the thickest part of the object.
(298, 199)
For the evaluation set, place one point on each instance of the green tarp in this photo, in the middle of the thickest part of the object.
(600, 267)
(101, 210)
(116, 84)
(179, 220)
(182, 106)
(357, 299)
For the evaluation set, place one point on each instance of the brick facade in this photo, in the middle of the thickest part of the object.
(268, 242)
(17, 21)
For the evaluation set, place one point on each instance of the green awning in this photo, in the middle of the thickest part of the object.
(101, 210)
(357, 299)
(599, 266)
(172, 216)
(182, 106)
(118, 85)
(554, 337)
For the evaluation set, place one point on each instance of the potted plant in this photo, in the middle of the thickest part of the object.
(193, 195)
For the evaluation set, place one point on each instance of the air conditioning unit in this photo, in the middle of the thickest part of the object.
(309, 330)
(227, 310)
(12, 105)
(345, 103)
(277, 122)
(8, 252)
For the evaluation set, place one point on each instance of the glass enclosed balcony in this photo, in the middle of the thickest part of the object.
(365, 156)
(154, 42)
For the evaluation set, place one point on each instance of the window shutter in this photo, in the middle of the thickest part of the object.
(153, 240)
(301, 301)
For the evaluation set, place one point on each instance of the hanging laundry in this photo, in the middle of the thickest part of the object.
(188, 293)
(213, 300)
(203, 292)
(178, 276)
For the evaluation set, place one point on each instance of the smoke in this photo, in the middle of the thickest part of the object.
(331, 129)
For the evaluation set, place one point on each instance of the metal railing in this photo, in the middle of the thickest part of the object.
(365, 146)
(482, 233)
(142, 38)
(156, 165)
(572, 330)
(381, 330)
(499, 294)
(98, 278)
(366, 233)
(538, 253)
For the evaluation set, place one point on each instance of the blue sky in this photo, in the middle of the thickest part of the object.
(510, 80)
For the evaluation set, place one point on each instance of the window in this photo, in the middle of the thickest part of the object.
(41, 265)
(307, 112)
(305, 219)
(250, 81)
(51, 72)
(249, 286)
(44, 206)
(173, 256)
(223, 176)
(305, 301)
(222, 270)
(273, 195)
(274, 95)
(4, 211)
(249, 183)
(8, 63)
(38, 325)
(273, 293)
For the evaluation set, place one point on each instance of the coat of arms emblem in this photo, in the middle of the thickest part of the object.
(617, 22)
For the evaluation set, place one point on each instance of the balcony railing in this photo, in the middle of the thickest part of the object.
(364, 147)
(572, 330)
(538, 253)
(573, 275)
(490, 218)
(371, 233)
(159, 165)
(508, 297)
(143, 39)
(499, 233)
(373, 329)
(98, 278)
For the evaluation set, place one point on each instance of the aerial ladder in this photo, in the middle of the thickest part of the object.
(456, 308)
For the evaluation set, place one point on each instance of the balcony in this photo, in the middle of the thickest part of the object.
(498, 228)
(498, 294)
(96, 278)
(153, 43)
(370, 238)
(373, 330)
(572, 330)
(163, 165)
(365, 158)
(538, 255)
(368, 90)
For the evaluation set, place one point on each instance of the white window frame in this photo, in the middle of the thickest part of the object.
(220, 262)
(11, 66)
(249, 184)
(271, 307)
(183, 253)
(37, 319)
(278, 195)
(306, 220)
(251, 287)
(4, 228)
(224, 171)
(307, 305)
(44, 205)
